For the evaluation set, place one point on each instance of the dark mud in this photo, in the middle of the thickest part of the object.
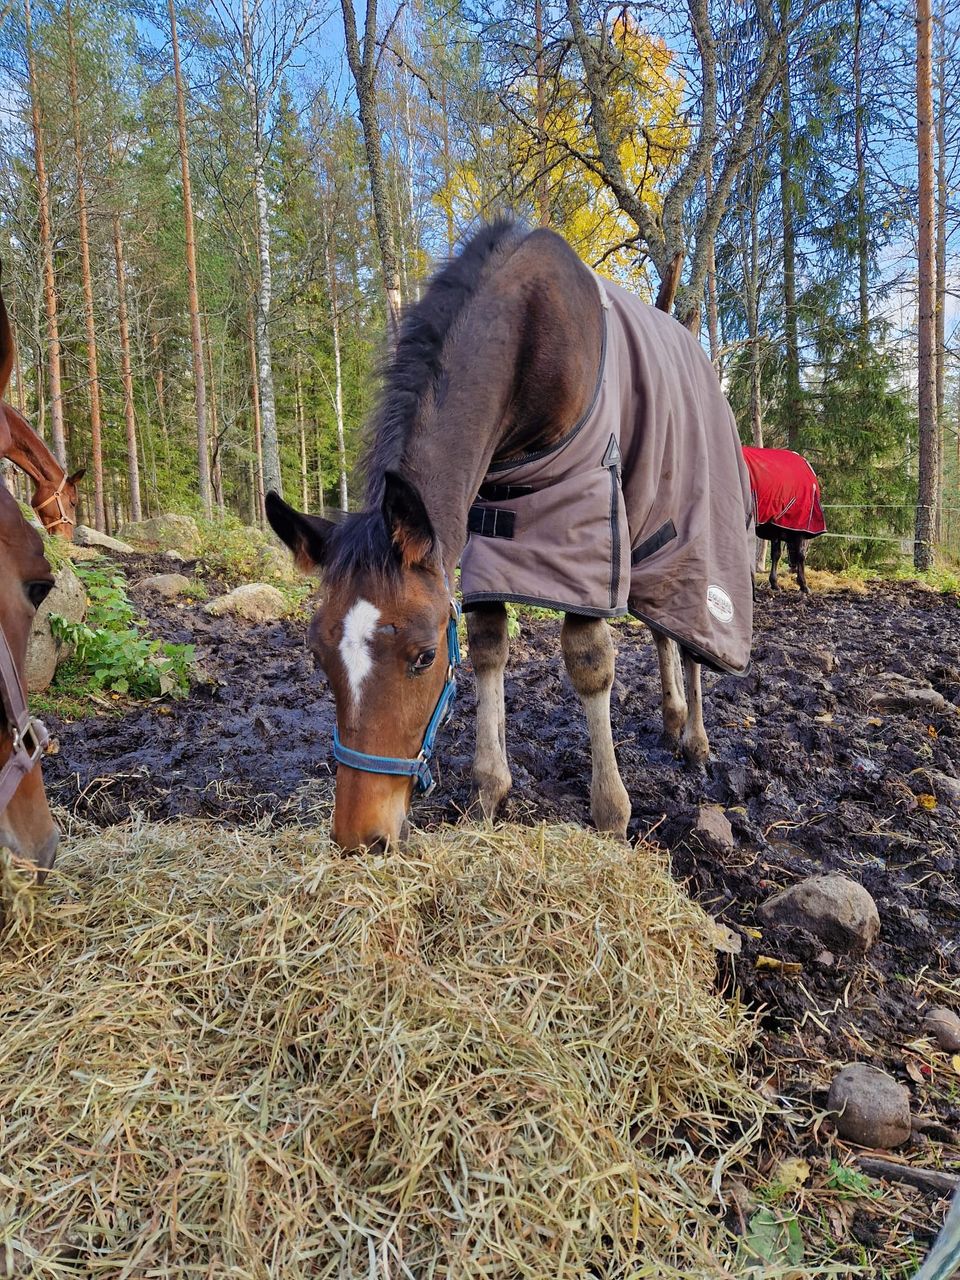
(813, 776)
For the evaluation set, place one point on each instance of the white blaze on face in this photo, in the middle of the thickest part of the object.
(358, 628)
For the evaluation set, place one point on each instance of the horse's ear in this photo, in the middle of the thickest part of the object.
(77, 476)
(306, 536)
(406, 519)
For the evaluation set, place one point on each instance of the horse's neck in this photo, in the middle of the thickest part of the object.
(504, 394)
(28, 452)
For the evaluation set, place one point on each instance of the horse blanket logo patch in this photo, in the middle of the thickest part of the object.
(719, 603)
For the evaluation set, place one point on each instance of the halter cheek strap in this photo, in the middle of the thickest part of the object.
(418, 768)
(57, 497)
(29, 735)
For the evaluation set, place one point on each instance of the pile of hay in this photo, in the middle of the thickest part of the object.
(235, 1054)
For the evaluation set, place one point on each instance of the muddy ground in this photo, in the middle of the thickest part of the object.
(814, 774)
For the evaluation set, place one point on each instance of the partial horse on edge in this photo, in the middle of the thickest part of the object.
(574, 445)
(26, 827)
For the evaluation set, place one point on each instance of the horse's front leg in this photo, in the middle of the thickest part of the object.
(672, 697)
(489, 647)
(589, 655)
(694, 744)
(774, 561)
(800, 565)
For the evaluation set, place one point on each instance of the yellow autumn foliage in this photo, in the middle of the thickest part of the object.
(651, 135)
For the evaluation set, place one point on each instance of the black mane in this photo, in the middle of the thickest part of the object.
(416, 365)
(360, 545)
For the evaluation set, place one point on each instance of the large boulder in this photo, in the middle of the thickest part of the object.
(168, 533)
(276, 562)
(167, 585)
(68, 600)
(833, 908)
(84, 536)
(254, 602)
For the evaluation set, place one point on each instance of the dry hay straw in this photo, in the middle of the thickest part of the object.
(236, 1054)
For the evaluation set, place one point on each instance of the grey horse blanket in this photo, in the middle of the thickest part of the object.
(643, 507)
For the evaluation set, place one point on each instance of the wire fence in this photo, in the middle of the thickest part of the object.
(948, 535)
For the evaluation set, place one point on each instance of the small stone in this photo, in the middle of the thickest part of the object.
(899, 693)
(870, 1107)
(84, 536)
(254, 602)
(713, 828)
(835, 909)
(944, 1025)
(167, 585)
(945, 788)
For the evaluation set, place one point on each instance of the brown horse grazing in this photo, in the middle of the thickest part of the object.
(514, 355)
(55, 492)
(26, 827)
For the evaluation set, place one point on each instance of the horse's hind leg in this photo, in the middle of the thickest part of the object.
(797, 551)
(671, 685)
(589, 655)
(694, 744)
(489, 647)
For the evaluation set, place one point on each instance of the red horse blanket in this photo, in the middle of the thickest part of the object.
(645, 505)
(785, 489)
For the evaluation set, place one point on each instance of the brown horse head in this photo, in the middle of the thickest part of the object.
(26, 827)
(381, 637)
(55, 504)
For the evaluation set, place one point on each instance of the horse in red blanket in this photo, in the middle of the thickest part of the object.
(786, 505)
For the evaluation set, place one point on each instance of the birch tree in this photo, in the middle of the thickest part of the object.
(929, 476)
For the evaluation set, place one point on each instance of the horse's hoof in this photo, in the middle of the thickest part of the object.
(610, 809)
(488, 795)
(696, 751)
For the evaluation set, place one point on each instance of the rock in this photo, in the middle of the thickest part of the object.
(712, 828)
(944, 1025)
(870, 1107)
(168, 532)
(945, 788)
(835, 909)
(174, 557)
(167, 585)
(900, 693)
(84, 536)
(68, 599)
(273, 562)
(75, 551)
(255, 602)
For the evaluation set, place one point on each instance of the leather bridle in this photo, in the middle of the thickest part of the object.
(57, 497)
(29, 735)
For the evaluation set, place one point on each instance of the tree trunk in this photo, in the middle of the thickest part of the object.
(257, 432)
(792, 398)
(337, 360)
(216, 459)
(713, 313)
(860, 150)
(126, 371)
(363, 68)
(942, 195)
(272, 477)
(57, 433)
(929, 473)
(302, 430)
(196, 340)
(93, 372)
(543, 194)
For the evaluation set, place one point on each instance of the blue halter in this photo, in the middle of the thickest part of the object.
(419, 768)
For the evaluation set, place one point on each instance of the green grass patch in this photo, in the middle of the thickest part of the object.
(112, 651)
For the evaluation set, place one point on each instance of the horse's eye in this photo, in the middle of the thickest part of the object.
(37, 592)
(424, 660)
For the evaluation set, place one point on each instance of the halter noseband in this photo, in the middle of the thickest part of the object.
(418, 768)
(57, 497)
(29, 735)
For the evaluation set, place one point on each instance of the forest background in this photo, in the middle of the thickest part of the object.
(211, 214)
